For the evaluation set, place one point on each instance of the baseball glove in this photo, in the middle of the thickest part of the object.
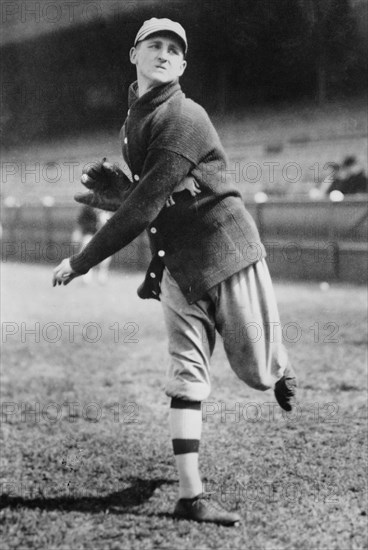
(107, 186)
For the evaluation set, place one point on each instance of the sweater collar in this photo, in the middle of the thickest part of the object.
(153, 98)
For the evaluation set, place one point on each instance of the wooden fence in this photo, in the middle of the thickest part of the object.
(305, 240)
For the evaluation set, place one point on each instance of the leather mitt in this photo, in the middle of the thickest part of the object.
(107, 186)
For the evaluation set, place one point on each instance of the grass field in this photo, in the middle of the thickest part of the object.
(87, 461)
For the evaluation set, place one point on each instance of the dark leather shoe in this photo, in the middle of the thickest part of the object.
(203, 509)
(285, 389)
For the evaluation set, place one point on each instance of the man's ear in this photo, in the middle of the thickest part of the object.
(133, 55)
(183, 66)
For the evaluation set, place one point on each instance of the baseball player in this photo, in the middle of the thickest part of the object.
(208, 264)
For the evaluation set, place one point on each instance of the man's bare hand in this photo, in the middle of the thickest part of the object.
(189, 184)
(63, 273)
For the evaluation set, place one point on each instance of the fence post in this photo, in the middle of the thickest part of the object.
(332, 237)
(259, 218)
(48, 203)
(12, 204)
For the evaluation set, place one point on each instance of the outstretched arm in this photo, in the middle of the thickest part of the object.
(162, 173)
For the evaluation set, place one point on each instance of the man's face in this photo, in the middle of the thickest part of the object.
(159, 59)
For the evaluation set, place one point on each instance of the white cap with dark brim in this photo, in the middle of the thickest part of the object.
(154, 25)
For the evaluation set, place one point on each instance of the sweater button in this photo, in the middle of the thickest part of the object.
(125, 140)
(161, 253)
(153, 275)
(153, 230)
(136, 177)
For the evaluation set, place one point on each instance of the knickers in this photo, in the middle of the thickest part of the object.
(243, 310)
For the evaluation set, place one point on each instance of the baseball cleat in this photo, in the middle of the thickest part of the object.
(202, 509)
(285, 389)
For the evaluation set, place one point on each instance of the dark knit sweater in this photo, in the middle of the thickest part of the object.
(202, 240)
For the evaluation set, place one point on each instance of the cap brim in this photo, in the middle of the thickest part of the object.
(161, 30)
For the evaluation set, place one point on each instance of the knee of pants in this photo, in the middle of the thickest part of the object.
(260, 370)
(189, 390)
(254, 377)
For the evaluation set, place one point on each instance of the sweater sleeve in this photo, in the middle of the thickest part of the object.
(162, 172)
(185, 130)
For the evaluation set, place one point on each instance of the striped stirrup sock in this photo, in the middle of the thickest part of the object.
(186, 428)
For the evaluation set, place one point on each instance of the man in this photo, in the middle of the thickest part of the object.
(330, 183)
(88, 223)
(354, 180)
(208, 268)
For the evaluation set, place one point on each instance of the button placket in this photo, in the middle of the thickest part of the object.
(125, 144)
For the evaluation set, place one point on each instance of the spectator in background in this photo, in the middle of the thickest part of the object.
(345, 179)
(353, 179)
(89, 222)
(330, 183)
(103, 267)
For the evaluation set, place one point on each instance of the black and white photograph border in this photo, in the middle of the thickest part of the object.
(210, 157)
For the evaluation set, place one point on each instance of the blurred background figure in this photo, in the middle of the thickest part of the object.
(330, 183)
(353, 178)
(346, 179)
(86, 228)
(103, 267)
(88, 223)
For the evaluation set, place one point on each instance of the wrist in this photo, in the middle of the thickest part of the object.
(78, 264)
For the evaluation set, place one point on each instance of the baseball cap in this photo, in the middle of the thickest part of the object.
(154, 25)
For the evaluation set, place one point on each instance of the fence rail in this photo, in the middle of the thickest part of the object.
(304, 240)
